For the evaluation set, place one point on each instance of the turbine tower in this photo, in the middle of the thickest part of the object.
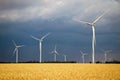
(83, 56)
(105, 55)
(40, 44)
(16, 50)
(93, 24)
(55, 53)
(65, 57)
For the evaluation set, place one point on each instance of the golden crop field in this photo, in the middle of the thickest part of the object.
(61, 71)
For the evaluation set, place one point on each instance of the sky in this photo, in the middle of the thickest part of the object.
(21, 18)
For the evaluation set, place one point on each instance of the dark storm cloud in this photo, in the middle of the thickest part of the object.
(118, 1)
(24, 10)
(18, 4)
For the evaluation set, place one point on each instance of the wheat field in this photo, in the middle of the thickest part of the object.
(61, 71)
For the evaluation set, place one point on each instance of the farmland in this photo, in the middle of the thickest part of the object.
(61, 71)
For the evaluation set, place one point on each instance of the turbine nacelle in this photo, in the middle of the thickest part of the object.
(93, 24)
(19, 46)
(55, 51)
(41, 39)
(84, 22)
(83, 54)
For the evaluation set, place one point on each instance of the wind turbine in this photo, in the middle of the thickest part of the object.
(55, 53)
(83, 56)
(93, 24)
(105, 54)
(109, 59)
(40, 44)
(16, 50)
(65, 57)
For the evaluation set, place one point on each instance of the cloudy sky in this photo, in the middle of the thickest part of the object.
(21, 18)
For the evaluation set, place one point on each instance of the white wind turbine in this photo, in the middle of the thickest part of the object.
(83, 56)
(105, 54)
(40, 44)
(65, 57)
(93, 33)
(55, 53)
(16, 50)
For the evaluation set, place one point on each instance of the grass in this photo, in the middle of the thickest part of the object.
(59, 71)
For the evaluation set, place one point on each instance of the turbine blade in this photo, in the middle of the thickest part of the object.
(34, 38)
(52, 52)
(14, 43)
(14, 50)
(83, 22)
(55, 48)
(45, 36)
(21, 46)
(56, 53)
(81, 52)
(99, 18)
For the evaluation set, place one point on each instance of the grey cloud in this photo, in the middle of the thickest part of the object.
(18, 4)
(118, 1)
(24, 10)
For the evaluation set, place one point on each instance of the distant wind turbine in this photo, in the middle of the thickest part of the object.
(105, 54)
(93, 33)
(65, 57)
(83, 56)
(109, 59)
(16, 50)
(55, 53)
(40, 44)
